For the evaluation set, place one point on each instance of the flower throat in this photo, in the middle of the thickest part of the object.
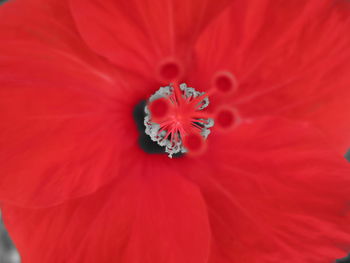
(174, 121)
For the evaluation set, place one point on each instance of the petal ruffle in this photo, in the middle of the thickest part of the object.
(58, 134)
(138, 35)
(290, 59)
(275, 193)
(145, 217)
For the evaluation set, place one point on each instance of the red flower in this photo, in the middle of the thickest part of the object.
(76, 185)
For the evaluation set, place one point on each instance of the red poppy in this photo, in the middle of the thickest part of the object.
(270, 185)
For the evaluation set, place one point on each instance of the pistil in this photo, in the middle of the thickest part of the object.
(175, 119)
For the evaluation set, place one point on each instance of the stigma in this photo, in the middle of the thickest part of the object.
(174, 118)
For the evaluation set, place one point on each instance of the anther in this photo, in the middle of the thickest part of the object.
(174, 113)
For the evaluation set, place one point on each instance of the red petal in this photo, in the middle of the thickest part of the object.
(58, 134)
(290, 59)
(275, 193)
(148, 216)
(139, 35)
(332, 119)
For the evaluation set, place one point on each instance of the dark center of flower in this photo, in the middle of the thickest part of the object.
(174, 119)
(144, 140)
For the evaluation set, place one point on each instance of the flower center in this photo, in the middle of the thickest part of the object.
(175, 120)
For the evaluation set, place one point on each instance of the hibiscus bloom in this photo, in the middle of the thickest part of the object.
(80, 183)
